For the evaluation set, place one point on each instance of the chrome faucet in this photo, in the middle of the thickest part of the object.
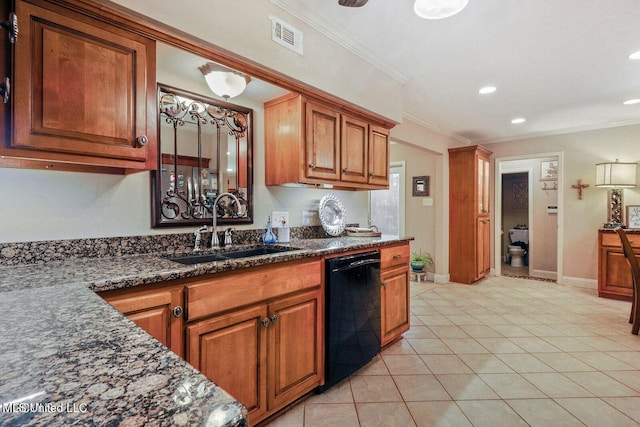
(214, 237)
(197, 233)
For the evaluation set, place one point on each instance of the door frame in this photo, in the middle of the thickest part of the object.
(499, 170)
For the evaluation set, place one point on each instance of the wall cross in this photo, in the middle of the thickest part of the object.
(580, 186)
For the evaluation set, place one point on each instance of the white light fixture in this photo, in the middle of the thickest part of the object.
(635, 55)
(438, 9)
(631, 102)
(616, 175)
(487, 90)
(518, 120)
(224, 82)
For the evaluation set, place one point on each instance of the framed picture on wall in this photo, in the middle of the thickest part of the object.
(420, 186)
(549, 170)
(633, 216)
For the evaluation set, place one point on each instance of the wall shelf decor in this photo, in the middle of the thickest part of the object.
(420, 186)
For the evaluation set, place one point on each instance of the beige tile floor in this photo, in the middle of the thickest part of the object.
(503, 352)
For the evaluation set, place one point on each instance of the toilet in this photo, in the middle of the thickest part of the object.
(516, 253)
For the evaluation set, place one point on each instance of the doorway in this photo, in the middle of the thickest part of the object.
(515, 224)
(387, 207)
(545, 212)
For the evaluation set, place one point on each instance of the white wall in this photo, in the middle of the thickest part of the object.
(244, 28)
(52, 205)
(582, 218)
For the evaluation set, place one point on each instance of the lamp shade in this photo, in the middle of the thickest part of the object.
(616, 175)
(438, 9)
(223, 82)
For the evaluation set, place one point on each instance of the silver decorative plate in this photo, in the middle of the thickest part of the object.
(332, 215)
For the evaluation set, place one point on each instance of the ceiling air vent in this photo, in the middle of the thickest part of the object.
(286, 35)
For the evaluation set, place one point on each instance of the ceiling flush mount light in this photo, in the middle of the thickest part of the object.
(631, 102)
(518, 120)
(616, 174)
(438, 9)
(224, 82)
(635, 55)
(486, 90)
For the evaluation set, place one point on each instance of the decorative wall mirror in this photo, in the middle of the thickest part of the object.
(205, 150)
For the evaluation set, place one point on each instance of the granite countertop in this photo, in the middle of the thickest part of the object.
(68, 357)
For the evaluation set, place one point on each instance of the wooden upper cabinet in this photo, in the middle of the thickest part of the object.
(83, 91)
(308, 142)
(322, 150)
(355, 150)
(379, 160)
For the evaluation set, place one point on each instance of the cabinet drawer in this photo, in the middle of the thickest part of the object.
(612, 239)
(236, 289)
(394, 256)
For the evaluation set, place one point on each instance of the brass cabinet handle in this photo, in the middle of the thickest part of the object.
(274, 318)
(312, 166)
(11, 26)
(177, 311)
(397, 256)
(384, 284)
(265, 322)
(345, 170)
(372, 173)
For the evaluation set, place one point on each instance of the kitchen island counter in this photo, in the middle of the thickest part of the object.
(68, 357)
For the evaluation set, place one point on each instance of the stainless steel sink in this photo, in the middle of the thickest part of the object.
(196, 259)
(232, 254)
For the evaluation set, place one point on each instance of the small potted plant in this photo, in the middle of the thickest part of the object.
(418, 261)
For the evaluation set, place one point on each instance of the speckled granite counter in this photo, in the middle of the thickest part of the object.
(86, 364)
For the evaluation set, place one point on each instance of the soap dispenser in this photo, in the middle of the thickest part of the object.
(283, 232)
(268, 237)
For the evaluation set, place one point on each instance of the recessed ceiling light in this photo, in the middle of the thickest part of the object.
(631, 102)
(635, 55)
(518, 120)
(486, 90)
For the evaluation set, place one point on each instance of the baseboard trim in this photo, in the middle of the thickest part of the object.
(579, 282)
(441, 278)
(545, 274)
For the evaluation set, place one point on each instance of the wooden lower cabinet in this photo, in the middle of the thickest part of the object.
(483, 252)
(395, 293)
(158, 311)
(231, 350)
(395, 304)
(614, 273)
(266, 355)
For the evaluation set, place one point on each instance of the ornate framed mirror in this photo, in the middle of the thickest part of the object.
(205, 150)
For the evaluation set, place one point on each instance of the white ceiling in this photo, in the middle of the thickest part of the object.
(561, 64)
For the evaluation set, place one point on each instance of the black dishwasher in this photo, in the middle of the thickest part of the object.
(352, 305)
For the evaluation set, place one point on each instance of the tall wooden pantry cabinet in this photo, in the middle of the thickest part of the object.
(469, 214)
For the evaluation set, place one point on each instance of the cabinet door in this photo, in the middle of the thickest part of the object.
(483, 185)
(296, 360)
(483, 251)
(355, 149)
(322, 142)
(615, 276)
(82, 88)
(153, 312)
(231, 351)
(378, 156)
(395, 303)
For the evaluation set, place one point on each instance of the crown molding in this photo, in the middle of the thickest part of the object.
(564, 131)
(343, 38)
(436, 128)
